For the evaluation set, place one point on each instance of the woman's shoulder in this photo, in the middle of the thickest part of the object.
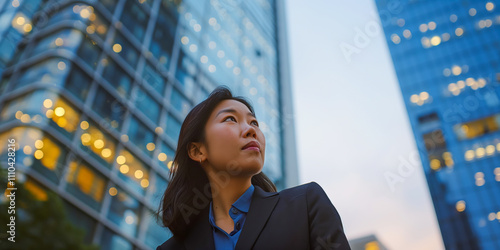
(171, 243)
(311, 188)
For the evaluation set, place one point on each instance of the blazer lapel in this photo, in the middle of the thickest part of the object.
(262, 205)
(200, 236)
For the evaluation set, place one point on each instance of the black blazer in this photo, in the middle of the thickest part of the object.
(301, 217)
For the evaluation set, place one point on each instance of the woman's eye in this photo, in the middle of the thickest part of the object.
(230, 117)
(256, 123)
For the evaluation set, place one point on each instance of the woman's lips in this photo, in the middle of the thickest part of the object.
(252, 148)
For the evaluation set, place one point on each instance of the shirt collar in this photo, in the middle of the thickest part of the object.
(243, 203)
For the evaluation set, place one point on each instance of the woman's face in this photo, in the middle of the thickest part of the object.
(229, 129)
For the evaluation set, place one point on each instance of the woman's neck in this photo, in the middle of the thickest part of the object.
(224, 194)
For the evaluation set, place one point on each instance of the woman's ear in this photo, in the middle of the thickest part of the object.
(196, 151)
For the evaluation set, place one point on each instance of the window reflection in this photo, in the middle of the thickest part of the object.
(185, 72)
(179, 102)
(135, 19)
(113, 241)
(157, 190)
(85, 184)
(109, 4)
(163, 37)
(155, 234)
(89, 52)
(146, 104)
(141, 136)
(67, 39)
(153, 78)
(173, 128)
(109, 108)
(124, 211)
(78, 83)
(125, 49)
(81, 220)
(116, 76)
(51, 71)
(97, 143)
(26, 108)
(132, 171)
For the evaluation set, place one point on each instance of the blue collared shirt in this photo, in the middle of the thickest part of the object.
(238, 213)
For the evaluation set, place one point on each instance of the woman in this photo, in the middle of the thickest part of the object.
(218, 198)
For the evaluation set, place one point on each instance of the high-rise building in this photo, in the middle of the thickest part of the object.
(95, 92)
(446, 55)
(369, 242)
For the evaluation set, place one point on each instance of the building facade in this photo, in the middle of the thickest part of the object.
(95, 93)
(446, 55)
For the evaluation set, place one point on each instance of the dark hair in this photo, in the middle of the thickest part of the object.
(189, 184)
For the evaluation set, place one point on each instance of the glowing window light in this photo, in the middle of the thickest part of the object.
(432, 25)
(489, 6)
(423, 27)
(472, 12)
(460, 206)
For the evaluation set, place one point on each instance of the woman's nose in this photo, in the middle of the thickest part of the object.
(249, 131)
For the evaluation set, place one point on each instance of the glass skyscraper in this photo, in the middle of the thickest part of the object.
(95, 92)
(446, 55)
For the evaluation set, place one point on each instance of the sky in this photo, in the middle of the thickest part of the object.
(352, 128)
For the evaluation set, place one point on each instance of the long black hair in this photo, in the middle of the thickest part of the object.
(188, 191)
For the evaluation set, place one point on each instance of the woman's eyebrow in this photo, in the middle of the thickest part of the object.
(233, 111)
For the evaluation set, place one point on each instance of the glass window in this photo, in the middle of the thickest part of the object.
(48, 158)
(109, 4)
(125, 49)
(78, 83)
(173, 128)
(81, 220)
(165, 156)
(62, 115)
(124, 211)
(158, 189)
(25, 138)
(135, 19)
(89, 52)
(68, 39)
(52, 71)
(97, 143)
(163, 37)
(179, 102)
(27, 107)
(113, 241)
(116, 76)
(85, 184)
(132, 171)
(98, 25)
(185, 72)
(141, 136)
(4, 81)
(109, 108)
(155, 234)
(147, 105)
(477, 128)
(153, 78)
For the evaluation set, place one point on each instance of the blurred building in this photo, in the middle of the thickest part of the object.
(446, 56)
(369, 242)
(95, 92)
